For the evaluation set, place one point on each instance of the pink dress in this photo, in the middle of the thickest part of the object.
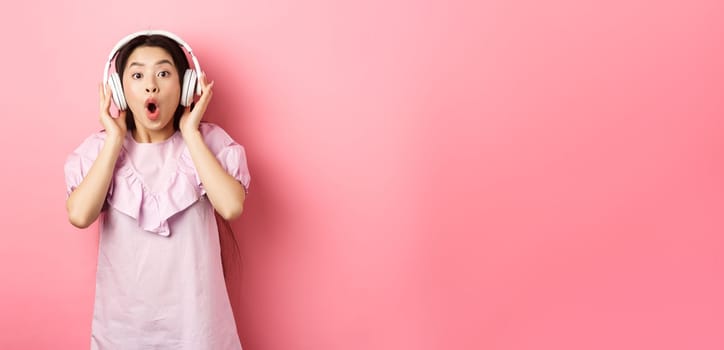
(159, 280)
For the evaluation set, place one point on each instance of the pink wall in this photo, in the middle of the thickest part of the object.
(425, 175)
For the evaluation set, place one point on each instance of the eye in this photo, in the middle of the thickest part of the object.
(164, 74)
(136, 75)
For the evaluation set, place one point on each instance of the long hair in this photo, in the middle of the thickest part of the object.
(227, 240)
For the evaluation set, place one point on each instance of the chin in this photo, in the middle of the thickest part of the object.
(153, 125)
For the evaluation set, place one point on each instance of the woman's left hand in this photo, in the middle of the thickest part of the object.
(191, 119)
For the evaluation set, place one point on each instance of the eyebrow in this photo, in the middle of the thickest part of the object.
(157, 63)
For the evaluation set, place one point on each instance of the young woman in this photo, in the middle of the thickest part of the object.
(158, 178)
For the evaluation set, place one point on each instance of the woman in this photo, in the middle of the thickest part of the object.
(158, 177)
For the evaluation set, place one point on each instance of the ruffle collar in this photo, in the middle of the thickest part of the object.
(152, 210)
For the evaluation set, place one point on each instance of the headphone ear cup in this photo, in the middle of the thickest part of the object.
(117, 91)
(188, 87)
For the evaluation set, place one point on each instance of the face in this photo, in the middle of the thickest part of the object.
(152, 89)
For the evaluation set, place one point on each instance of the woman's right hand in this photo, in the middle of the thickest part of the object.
(115, 126)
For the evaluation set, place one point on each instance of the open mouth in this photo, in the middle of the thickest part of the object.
(152, 109)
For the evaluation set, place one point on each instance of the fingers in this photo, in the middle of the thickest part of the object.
(103, 104)
(121, 120)
(101, 98)
(205, 85)
(206, 90)
(104, 100)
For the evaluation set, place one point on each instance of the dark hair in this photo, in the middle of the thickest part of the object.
(226, 235)
(167, 44)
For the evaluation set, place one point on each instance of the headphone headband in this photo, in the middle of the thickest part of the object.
(167, 34)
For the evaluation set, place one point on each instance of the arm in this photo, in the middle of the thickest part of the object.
(224, 191)
(85, 203)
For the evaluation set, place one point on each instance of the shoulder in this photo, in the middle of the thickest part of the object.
(213, 131)
(91, 145)
(78, 162)
(215, 136)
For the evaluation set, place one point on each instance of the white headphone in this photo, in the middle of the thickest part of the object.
(190, 76)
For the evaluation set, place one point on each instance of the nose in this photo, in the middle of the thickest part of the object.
(151, 86)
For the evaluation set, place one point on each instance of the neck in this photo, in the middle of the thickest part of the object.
(150, 136)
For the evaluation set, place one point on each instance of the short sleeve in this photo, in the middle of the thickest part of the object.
(79, 162)
(231, 155)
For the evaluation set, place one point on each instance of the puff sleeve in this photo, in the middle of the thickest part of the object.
(230, 154)
(79, 162)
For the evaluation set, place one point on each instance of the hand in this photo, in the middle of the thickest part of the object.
(115, 126)
(191, 119)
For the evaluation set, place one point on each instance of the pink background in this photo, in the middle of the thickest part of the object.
(425, 175)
